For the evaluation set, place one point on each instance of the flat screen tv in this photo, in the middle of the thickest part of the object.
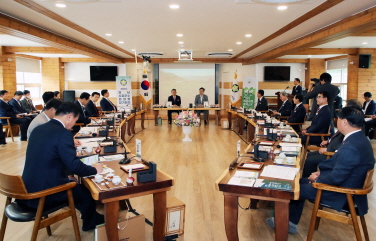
(277, 73)
(103, 73)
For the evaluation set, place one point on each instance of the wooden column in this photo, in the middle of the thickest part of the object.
(315, 67)
(51, 69)
(62, 76)
(8, 72)
(352, 76)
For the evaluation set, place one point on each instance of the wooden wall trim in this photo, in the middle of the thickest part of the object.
(321, 51)
(28, 56)
(203, 60)
(337, 57)
(287, 61)
(41, 50)
(86, 60)
(17, 28)
(317, 10)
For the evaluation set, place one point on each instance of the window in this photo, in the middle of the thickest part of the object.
(339, 78)
(32, 82)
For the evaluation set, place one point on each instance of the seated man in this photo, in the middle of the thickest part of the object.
(49, 155)
(27, 103)
(45, 116)
(199, 102)
(262, 103)
(286, 107)
(321, 121)
(6, 110)
(369, 106)
(106, 103)
(299, 113)
(346, 168)
(15, 102)
(81, 103)
(91, 106)
(176, 102)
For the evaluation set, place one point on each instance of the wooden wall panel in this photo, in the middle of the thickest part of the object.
(366, 77)
(315, 67)
(352, 76)
(50, 74)
(8, 72)
(275, 85)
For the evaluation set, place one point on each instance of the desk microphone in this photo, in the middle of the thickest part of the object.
(125, 160)
(286, 88)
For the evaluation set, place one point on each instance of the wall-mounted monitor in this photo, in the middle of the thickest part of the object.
(277, 73)
(103, 73)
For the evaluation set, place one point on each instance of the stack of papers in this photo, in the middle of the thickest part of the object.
(290, 146)
(111, 157)
(280, 172)
(243, 178)
(87, 128)
(93, 142)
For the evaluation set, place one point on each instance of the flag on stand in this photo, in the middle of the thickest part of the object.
(235, 98)
(145, 92)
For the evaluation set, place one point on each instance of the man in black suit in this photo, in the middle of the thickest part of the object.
(175, 101)
(6, 110)
(49, 155)
(286, 107)
(15, 102)
(321, 121)
(369, 106)
(91, 106)
(297, 89)
(81, 103)
(337, 104)
(262, 103)
(106, 103)
(298, 114)
(346, 168)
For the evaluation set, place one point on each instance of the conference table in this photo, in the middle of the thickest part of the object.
(217, 112)
(242, 118)
(280, 197)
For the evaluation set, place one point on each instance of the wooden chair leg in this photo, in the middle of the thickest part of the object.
(74, 216)
(354, 217)
(5, 220)
(38, 219)
(318, 219)
(48, 228)
(314, 215)
(364, 226)
(122, 204)
(10, 132)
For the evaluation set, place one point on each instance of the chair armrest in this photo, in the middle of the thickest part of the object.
(367, 116)
(4, 118)
(294, 124)
(79, 124)
(50, 191)
(313, 148)
(316, 134)
(329, 153)
(354, 191)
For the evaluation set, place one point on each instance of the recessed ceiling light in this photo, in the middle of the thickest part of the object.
(180, 42)
(248, 35)
(60, 5)
(181, 46)
(364, 43)
(133, 50)
(238, 42)
(108, 34)
(282, 7)
(174, 6)
(179, 35)
(229, 50)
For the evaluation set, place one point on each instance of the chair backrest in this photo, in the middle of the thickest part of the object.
(306, 107)
(123, 128)
(368, 182)
(12, 186)
(39, 107)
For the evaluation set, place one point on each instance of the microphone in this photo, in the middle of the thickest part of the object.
(125, 160)
(286, 88)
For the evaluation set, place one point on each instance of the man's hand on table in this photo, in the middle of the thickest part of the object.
(77, 143)
(99, 168)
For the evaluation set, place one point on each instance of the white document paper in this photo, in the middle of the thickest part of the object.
(280, 172)
(87, 128)
(111, 157)
(90, 160)
(243, 178)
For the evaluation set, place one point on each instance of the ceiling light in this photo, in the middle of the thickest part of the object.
(282, 7)
(180, 42)
(108, 34)
(174, 6)
(179, 35)
(230, 50)
(248, 35)
(364, 43)
(238, 42)
(121, 42)
(181, 46)
(60, 5)
(133, 50)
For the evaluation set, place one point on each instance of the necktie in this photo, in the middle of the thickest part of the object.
(83, 110)
(31, 105)
(96, 110)
(295, 108)
(318, 110)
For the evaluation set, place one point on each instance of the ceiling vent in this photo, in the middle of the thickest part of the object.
(276, 2)
(150, 54)
(220, 54)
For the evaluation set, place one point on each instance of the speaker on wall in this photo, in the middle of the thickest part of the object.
(69, 95)
(365, 61)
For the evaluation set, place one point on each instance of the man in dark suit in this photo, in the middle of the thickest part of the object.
(369, 106)
(106, 103)
(27, 103)
(91, 107)
(262, 103)
(6, 110)
(286, 107)
(199, 102)
(81, 103)
(297, 89)
(346, 168)
(49, 155)
(15, 102)
(337, 104)
(299, 113)
(175, 101)
(321, 121)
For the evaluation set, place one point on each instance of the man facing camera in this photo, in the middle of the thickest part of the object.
(176, 102)
(199, 102)
(15, 102)
(262, 103)
(49, 156)
(81, 103)
(27, 103)
(298, 114)
(297, 89)
(347, 168)
(321, 121)
(106, 103)
(91, 106)
(286, 107)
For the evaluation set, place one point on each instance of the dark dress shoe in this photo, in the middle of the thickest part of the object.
(206, 122)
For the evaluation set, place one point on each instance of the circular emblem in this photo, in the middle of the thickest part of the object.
(145, 85)
(123, 82)
(235, 88)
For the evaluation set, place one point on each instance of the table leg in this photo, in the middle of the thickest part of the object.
(229, 118)
(218, 115)
(241, 125)
(159, 215)
(133, 130)
(251, 132)
(142, 120)
(111, 210)
(129, 127)
(156, 112)
(281, 221)
(231, 217)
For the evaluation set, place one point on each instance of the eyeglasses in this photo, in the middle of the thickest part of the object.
(319, 96)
